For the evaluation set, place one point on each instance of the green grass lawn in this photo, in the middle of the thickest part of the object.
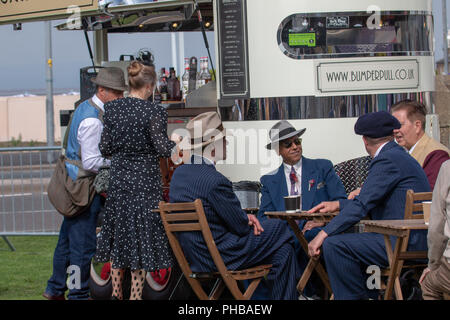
(24, 272)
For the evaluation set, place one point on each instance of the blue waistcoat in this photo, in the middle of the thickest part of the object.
(85, 110)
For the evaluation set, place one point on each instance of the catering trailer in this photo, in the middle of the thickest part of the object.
(319, 64)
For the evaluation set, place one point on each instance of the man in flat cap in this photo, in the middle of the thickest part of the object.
(240, 238)
(77, 238)
(392, 172)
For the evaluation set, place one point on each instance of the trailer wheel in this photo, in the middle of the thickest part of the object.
(167, 284)
(101, 289)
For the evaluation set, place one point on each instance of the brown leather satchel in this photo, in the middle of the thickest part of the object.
(70, 198)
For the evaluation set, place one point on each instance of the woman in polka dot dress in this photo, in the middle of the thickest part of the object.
(134, 137)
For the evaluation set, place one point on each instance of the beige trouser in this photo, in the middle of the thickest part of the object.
(437, 282)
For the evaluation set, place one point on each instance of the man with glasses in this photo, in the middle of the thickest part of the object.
(411, 135)
(314, 179)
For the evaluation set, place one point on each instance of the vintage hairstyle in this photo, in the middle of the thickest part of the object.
(414, 110)
(139, 75)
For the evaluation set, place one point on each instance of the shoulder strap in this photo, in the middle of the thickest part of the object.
(66, 134)
(100, 111)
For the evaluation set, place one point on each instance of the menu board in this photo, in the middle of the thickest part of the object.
(233, 49)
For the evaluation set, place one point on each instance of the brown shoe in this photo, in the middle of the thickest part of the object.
(50, 297)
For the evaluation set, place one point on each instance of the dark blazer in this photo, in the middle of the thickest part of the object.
(319, 183)
(383, 194)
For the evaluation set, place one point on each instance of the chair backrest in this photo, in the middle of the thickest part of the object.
(353, 172)
(190, 216)
(414, 208)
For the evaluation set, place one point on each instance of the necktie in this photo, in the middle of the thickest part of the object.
(294, 179)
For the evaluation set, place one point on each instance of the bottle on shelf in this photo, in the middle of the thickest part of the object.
(173, 86)
(185, 79)
(205, 76)
(162, 84)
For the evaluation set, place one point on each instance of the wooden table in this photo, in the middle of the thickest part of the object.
(314, 263)
(400, 229)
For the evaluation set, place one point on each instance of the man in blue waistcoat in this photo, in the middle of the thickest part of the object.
(77, 239)
(392, 172)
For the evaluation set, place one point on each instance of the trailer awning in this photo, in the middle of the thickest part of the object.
(103, 14)
(35, 10)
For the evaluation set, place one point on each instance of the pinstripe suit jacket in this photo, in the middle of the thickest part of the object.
(233, 236)
(383, 193)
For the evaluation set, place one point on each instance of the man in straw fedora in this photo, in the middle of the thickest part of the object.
(77, 238)
(241, 239)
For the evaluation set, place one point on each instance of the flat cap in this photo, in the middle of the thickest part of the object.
(376, 124)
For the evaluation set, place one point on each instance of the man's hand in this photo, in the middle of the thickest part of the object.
(254, 222)
(316, 243)
(354, 193)
(325, 207)
(311, 225)
(424, 274)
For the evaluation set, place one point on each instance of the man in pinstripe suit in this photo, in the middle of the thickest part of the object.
(391, 173)
(241, 239)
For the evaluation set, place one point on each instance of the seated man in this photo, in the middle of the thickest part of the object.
(392, 172)
(314, 179)
(435, 279)
(427, 151)
(241, 240)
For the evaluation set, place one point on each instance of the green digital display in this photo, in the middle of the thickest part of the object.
(302, 39)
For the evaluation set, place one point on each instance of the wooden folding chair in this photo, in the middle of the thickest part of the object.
(190, 216)
(413, 210)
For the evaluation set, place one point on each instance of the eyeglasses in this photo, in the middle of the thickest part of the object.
(288, 144)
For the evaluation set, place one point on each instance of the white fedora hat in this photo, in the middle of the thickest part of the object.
(283, 130)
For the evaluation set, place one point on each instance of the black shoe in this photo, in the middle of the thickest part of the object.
(50, 297)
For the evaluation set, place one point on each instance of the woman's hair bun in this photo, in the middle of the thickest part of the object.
(135, 68)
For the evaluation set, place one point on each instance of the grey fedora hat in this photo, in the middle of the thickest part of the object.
(112, 78)
(282, 130)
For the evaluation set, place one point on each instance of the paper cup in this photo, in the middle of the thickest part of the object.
(426, 211)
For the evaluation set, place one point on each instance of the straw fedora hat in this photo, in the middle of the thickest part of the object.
(282, 130)
(203, 130)
(112, 78)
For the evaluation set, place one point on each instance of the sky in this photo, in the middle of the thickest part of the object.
(23, 63)
(23, 58)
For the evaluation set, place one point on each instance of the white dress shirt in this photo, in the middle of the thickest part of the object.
(298, 170)
(379, 149)
(88, 136)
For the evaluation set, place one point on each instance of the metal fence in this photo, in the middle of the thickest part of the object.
(24, 205)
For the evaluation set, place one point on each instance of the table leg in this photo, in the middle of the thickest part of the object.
(313, 264)
(394, 269)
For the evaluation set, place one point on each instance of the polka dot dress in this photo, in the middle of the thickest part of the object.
(134, 137)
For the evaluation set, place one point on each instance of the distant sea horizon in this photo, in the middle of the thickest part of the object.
(37, 92)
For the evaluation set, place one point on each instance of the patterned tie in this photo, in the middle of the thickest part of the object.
(294, 179)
